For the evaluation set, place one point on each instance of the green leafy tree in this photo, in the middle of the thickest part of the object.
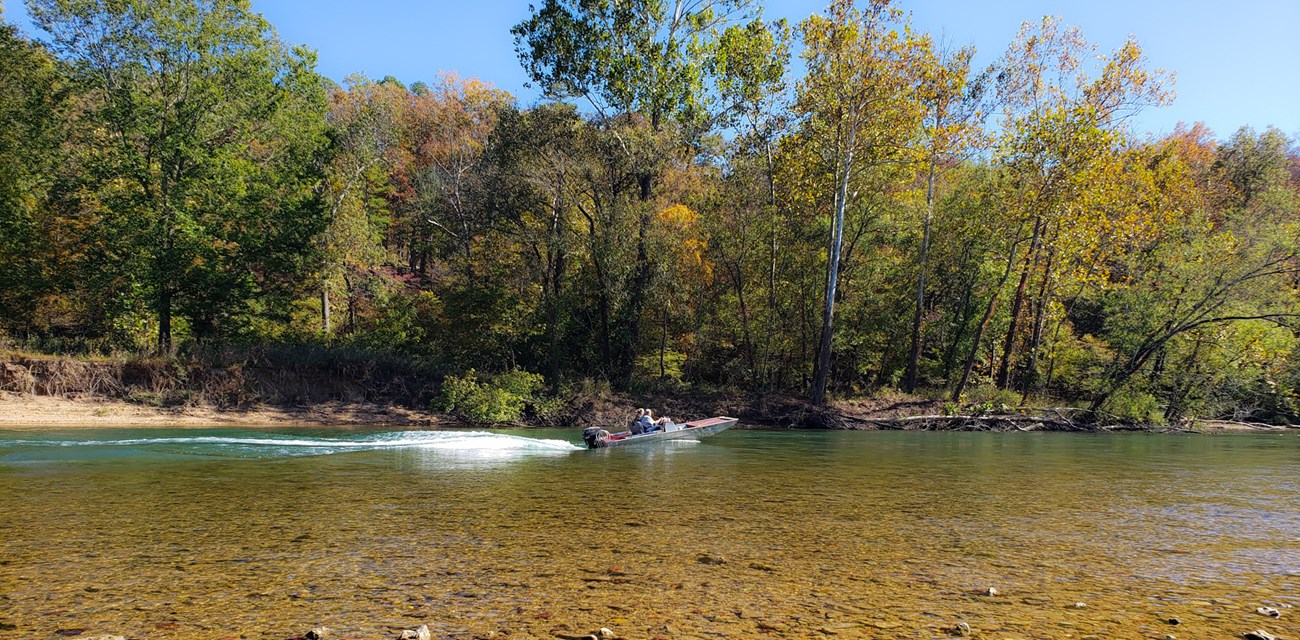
(951, 98)
(364, 121)
(859, 115)
(627, 56)
(1208, 269)
(32, 110)
(202, 136)
(1061, 174)
(751, 66)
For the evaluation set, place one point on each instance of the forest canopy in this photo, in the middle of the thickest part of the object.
(680, 211)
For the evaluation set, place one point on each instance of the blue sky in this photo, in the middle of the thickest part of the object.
(1237, 63)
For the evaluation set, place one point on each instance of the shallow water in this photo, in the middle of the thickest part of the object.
(260, 534)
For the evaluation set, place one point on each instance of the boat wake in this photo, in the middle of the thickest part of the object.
(268, 445)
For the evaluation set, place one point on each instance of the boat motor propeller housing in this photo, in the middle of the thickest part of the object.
(595, 437)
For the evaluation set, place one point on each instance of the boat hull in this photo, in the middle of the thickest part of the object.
(689, 431)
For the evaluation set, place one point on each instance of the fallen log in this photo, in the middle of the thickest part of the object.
(985, 422)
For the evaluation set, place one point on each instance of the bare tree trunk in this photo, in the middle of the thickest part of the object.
(984, 323)
(1031, 258)
(822, 371)
(914, 356)
(1044, 294)
(772, 264)
(325, 308)
(555, 290)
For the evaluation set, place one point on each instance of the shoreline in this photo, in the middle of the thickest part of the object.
(21, 412)
(26, 412)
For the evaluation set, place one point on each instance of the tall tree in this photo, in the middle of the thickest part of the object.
(637, 63)
(449, 127)
(207, 127)
(365, 129)
(951, 100)
(751, 70)
(859, 114)
(1207, 268)
(538, 157)
(1060, 161)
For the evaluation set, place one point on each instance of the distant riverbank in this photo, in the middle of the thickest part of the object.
(33, 412)
(53, 392)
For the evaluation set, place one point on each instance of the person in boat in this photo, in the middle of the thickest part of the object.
(661, 424)
(639, 423)
(647, 420)
(664, 424)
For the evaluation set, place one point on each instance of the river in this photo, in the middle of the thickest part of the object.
(751, 534)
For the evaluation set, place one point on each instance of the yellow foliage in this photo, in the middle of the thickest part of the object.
(679, 217)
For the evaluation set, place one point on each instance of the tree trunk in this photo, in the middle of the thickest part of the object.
(1004, 367)
(746, 334)
(663, 346)
(626, 354)
(325, 308)
(984, 323)
(1030, 375)
(352, 305)
(554, 291)
(772, 264)
(822, 371)
(1178, 405)
(914, 356)
(165, 321)
(963, 319)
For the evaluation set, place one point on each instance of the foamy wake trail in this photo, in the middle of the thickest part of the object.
(293, 445)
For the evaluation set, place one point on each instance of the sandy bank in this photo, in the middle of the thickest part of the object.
(21, 411)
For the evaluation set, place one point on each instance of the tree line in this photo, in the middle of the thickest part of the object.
(679, 211)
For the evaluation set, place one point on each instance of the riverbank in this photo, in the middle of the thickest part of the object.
(23, 412)
(314, 387)
(37, 412)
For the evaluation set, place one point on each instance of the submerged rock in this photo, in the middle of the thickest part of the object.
(710, 558)
(1269, 611)
(1259, 634)
(319, 633)
(422, 633)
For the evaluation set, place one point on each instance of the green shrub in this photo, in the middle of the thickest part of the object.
(503, 398)
(520, 383)
(548, 408)
(456, 391)
(990, 399)
(488, 405)
(1135, 406)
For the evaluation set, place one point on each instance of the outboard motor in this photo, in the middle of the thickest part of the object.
(595, 437)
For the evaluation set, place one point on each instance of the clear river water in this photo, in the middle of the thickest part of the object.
(252, 534)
